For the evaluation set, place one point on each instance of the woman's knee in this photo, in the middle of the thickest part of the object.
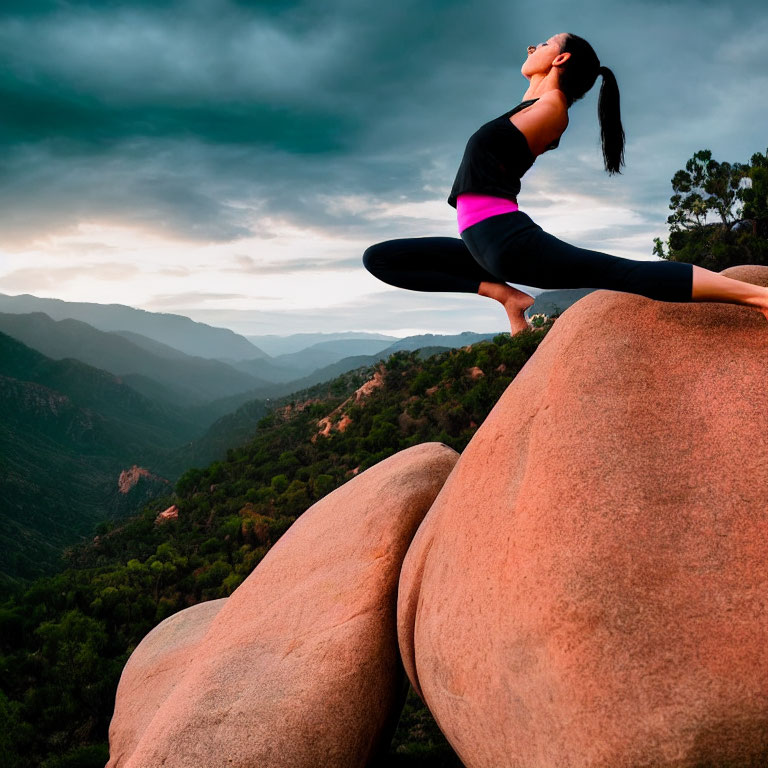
(492, 263)
(374, 257)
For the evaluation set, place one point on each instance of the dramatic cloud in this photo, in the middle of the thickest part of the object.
(239, 142)
(32, 279)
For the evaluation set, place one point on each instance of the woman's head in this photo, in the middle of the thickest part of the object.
(544, 56)
(579, 72)
(577, 66)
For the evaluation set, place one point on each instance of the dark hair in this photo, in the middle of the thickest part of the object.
(577, 76)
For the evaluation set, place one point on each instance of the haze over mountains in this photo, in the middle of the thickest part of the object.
(283, 345)
(176, 331)
(199, 339)
(188, 380)
(179, 332)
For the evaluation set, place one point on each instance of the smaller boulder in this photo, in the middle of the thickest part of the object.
(301, 667)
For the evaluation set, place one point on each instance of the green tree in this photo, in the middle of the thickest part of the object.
(15, 734)
(73, 646)
(705, 185)
(279, 483)
(755, 195)
(323, 485)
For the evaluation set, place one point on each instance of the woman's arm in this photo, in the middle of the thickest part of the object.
(543, 122)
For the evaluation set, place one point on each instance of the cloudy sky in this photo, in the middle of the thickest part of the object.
(230, 160)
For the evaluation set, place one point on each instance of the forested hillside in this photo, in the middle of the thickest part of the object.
(67, 430)
(65, 640)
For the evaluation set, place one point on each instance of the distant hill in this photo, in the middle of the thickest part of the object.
(327, 359)
(328, 352)
(229, 431)
(295, 365)
(276, 345)
(264, 370)
(67, 430)
(191, 379)
(155, 347)
(234, 406)
(438, 340)
(556, 302)
(349, 347)
(428, 344)
(177, 331)
(273, 371)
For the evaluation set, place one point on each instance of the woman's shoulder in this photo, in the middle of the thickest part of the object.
(554, 102)
(543, 122)
(554, 96)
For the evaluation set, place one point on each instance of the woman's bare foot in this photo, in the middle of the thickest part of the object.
(515, 303)
(712, 286)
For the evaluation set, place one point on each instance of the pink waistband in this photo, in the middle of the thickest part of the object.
(471, 208)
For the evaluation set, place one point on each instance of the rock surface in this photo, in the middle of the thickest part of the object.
(129, 477)
(300, 667)
(589, 589)
(171, 513)
(153, 670)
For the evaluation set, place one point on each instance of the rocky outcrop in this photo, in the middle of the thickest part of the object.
(300, 665)
(475, 372)
(172, 513)
(376, 381)
(338, 419)
(136, 487)
(589, 588)
(130, 477)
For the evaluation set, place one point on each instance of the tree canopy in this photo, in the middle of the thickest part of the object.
(736, 194)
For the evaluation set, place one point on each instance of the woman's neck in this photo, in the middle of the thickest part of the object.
(541, 84)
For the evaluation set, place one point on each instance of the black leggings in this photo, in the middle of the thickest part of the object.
(510, 247)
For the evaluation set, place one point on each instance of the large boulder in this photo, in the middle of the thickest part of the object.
(590, 587)
(300, 667)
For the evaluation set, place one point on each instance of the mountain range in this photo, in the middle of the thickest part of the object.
(82, 407)
(177, 331)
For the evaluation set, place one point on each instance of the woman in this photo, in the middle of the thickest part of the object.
(500, 243)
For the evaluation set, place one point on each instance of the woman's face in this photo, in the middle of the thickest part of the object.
(541, 56)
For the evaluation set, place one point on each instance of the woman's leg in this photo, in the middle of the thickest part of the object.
(426, 264)
(442, 264)
(516, 248)
(710, 286)
(513, 247)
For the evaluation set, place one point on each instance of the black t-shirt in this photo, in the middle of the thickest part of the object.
(496, 157)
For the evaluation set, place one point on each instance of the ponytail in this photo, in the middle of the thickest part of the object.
(611, 130)
(577, 76)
